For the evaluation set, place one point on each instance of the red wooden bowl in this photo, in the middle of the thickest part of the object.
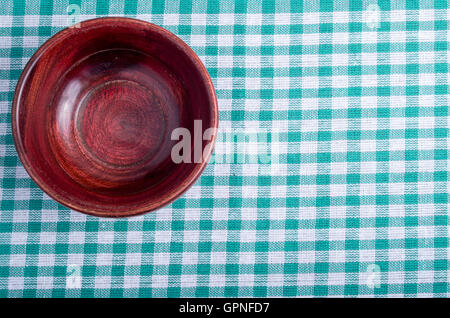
(94, 110)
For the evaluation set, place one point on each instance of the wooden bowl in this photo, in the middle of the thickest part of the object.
(94, 110)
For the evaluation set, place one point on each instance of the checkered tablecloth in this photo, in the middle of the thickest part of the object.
(356, 204)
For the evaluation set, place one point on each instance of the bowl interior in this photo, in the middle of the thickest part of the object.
(95, 109)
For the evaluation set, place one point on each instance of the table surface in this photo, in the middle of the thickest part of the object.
(354, 198)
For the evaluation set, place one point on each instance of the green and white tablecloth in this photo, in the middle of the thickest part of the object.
(356, 204)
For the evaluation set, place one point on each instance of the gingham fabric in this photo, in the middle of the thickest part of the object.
(356, 204)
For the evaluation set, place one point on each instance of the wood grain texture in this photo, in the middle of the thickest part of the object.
(94, 109)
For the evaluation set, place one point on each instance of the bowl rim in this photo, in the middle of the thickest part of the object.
(136, 210)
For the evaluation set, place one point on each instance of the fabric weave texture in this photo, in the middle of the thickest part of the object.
(356, 204)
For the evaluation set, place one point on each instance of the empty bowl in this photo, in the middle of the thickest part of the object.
(94, 113)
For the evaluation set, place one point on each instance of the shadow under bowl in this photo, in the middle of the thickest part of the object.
(94, 110)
